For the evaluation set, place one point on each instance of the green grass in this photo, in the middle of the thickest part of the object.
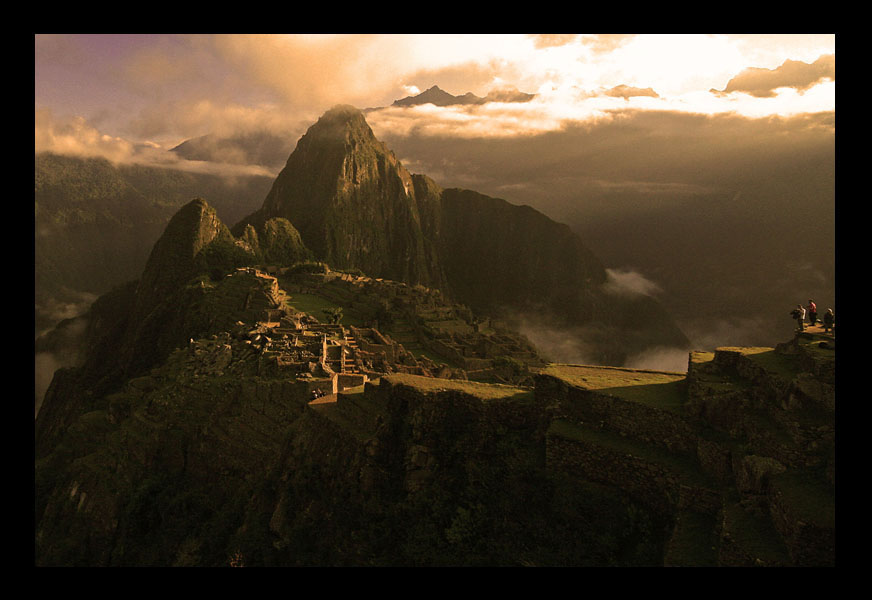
(440, 360)
(655, 389)
(778, 364)
(314, 305)
(782, 365)
(484, 391)
(451, 326)
(700, 357)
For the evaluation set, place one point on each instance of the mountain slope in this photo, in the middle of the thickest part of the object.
(172, 445)
(357, 207)
(350, 199)
(96, 222)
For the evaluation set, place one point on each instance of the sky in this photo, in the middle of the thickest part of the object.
(129, 96)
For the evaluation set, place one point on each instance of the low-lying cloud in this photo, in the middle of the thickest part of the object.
(66, 351)
(673, 360)
(75, 136)
(627, 282)
(557, 343)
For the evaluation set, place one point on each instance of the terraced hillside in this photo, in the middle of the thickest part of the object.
(738, 456)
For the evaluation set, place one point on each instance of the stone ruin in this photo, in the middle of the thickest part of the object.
(424, 321)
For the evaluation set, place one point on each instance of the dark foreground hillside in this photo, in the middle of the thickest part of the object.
(203, 462)
(216, 422)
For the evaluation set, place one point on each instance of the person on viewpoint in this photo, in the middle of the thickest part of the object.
(798, 313)
(812, 312)
(829, 320)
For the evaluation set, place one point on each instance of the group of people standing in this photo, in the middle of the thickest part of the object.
(800, 313)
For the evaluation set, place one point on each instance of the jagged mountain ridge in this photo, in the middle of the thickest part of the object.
(357, 207)
(439, 97)
(349, 197)
(262, 148)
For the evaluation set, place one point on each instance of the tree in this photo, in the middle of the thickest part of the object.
(334, 315)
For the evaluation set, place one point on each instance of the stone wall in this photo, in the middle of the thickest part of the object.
(652, 484)
(647, 424)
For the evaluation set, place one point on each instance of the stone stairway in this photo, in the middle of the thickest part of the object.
(403, 333)
(350, 364)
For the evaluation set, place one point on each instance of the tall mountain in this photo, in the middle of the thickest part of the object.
(439, 97)
(352, 202)
(356, 206)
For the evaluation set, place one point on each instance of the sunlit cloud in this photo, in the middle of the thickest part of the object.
(625, 91)
(794, 74)
(172, 88)
(75, 136)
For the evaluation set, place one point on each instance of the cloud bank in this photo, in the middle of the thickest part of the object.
(798, 75)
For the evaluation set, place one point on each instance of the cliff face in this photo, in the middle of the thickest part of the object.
(352, 202)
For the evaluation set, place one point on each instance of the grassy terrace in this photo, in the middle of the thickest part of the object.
(314, 305)
(451, 326)
(685, 468)
(781, 365)
(483, 391)
(652, 388)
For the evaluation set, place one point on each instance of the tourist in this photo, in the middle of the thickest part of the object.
(829, 321)
(798, 313)
(812, 312)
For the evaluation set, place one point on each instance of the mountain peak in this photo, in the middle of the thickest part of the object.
(344, 124)
(434, 95)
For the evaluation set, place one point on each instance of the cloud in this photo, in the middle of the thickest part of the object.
(801, 76)
(622, 163)
(603, 43)
(554, 341)
(550, 40)
(75, 136)
(68, 352)
(625, 91)
(626, 282)
(673, 360)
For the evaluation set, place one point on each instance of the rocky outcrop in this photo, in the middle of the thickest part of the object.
(357, 207)
(351, 200)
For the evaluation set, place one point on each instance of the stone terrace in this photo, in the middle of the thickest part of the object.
(739, 453)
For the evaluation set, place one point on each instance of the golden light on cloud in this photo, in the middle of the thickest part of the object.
(177, 87)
